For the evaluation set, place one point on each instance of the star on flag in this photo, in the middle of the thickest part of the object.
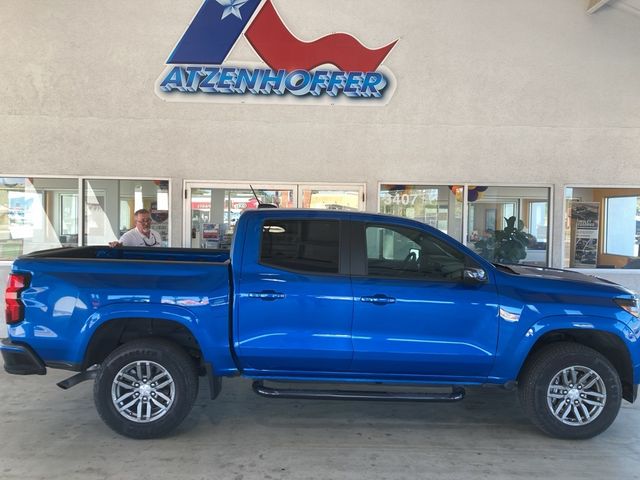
(231, 7)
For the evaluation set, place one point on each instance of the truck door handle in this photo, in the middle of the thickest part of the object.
(267, 295)
(378, 300)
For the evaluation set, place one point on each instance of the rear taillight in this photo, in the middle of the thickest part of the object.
(14, 310)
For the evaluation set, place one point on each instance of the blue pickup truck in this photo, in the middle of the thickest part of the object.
(322, 297)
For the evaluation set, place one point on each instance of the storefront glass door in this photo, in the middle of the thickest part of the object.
(212, 210)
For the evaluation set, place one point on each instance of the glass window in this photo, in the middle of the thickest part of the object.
(215, 211)
(438, 206)
(621, 227)
(37, 214)
(602, 227)
(405, 253)
(109, 207)
(504, 224)
(305, 245)
(509, 224)
(332, 198)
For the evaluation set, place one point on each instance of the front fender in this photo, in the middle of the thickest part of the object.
(514, 349)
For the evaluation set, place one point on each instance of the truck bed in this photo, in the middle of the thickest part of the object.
(73, 292)
(134, 253)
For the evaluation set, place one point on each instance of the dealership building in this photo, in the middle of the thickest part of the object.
(481, 119)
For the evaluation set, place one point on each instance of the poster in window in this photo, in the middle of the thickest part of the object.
(211, 235)
(160, 221)
(490, 219)
(586, 216)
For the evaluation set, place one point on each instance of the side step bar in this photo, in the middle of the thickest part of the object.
(79, 378)
(457, 394)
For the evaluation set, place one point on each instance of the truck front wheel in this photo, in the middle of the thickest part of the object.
(570, 391)
(146, 388)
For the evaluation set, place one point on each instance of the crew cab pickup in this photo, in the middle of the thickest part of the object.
(322, 297)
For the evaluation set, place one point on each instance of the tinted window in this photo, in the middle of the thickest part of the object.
(403, 252)
(307, 245)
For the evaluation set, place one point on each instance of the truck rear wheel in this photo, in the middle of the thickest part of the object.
(570, 391)
(146, 388)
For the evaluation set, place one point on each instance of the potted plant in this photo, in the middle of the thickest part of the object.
(508, 245)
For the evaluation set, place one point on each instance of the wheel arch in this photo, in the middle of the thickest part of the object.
(611, 346)
(118, 331)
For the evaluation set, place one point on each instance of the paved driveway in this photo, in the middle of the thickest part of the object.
(47, 433)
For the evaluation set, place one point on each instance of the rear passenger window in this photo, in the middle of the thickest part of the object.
(305, 245)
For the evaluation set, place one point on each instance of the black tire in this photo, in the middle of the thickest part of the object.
(159, 354)
(539, 373)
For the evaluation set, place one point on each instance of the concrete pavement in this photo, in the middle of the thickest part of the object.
(48, 433)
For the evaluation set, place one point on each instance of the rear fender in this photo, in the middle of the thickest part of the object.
(214, 347)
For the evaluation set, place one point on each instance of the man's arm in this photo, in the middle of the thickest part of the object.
(119, 243)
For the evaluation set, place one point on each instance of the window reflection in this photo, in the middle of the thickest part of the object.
(330, 199)
(602, 228)
(109, 207)
(510, 224)
(37, 214)
(437, 206)
(215, 211)
(504, 224)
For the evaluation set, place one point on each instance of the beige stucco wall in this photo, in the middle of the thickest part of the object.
(494, 91)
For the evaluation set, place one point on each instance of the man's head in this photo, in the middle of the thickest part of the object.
(143, 221)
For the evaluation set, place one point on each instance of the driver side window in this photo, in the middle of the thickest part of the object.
(400, 252)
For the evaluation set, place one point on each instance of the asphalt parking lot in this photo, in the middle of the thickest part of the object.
(48, 433)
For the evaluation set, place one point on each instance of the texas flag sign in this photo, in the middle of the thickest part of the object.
(334, 69)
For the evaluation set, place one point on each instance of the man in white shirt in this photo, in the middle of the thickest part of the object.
(142, 235)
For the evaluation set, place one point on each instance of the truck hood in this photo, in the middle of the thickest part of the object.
(562, 275)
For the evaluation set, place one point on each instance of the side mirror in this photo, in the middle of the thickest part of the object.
(474, 275)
